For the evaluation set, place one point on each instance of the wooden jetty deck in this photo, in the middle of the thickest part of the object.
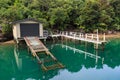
(36, 46)
(92, 38)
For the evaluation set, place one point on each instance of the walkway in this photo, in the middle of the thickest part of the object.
(36, 46)
(93, 38)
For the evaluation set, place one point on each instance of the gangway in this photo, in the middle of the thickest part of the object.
(36, 46)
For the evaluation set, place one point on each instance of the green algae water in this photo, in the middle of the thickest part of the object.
(81, 62)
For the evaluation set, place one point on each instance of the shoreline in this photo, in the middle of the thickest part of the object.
(108, 36)
(7, 42)
(111, 36)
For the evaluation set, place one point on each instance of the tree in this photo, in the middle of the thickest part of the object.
(116, 5)
(86, 15)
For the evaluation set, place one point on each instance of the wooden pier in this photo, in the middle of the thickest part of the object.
(92, 38)
(37, 47)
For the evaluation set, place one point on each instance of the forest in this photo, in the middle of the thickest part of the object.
(82, 15)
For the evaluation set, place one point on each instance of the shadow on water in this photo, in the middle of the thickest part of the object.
(16, 63)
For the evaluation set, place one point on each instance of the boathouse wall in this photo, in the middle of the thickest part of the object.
(29, 28)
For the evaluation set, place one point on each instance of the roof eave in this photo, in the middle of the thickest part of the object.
(19, 21)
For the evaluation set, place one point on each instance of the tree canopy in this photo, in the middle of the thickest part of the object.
(86, 15)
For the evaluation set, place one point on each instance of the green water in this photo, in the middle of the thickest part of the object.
(81, 62)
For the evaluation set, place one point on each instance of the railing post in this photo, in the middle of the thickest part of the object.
(92, 36)
(60, 33)
(97, 36)
(70, 33)
(104, 37)
(85, 36)
(63, 33)
(74, 36)
(80, 35)
(66, 33)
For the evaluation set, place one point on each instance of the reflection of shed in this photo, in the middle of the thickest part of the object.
(27, 27)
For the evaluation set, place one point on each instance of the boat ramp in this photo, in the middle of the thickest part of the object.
(37, 47)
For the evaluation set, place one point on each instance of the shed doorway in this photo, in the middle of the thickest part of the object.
(29, 29)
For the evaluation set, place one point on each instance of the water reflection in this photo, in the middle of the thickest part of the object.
(97, 59)
(112, 53)
(28, 68)
(17, 58)
(74, 61)
(77, 58)
(75, 50)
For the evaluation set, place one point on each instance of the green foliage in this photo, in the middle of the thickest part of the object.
(86, 15)
(6, 29)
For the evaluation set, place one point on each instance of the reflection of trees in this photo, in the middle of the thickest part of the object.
(112, 53)
(75, 62)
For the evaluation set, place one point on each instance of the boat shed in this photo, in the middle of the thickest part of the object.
(27, 28)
